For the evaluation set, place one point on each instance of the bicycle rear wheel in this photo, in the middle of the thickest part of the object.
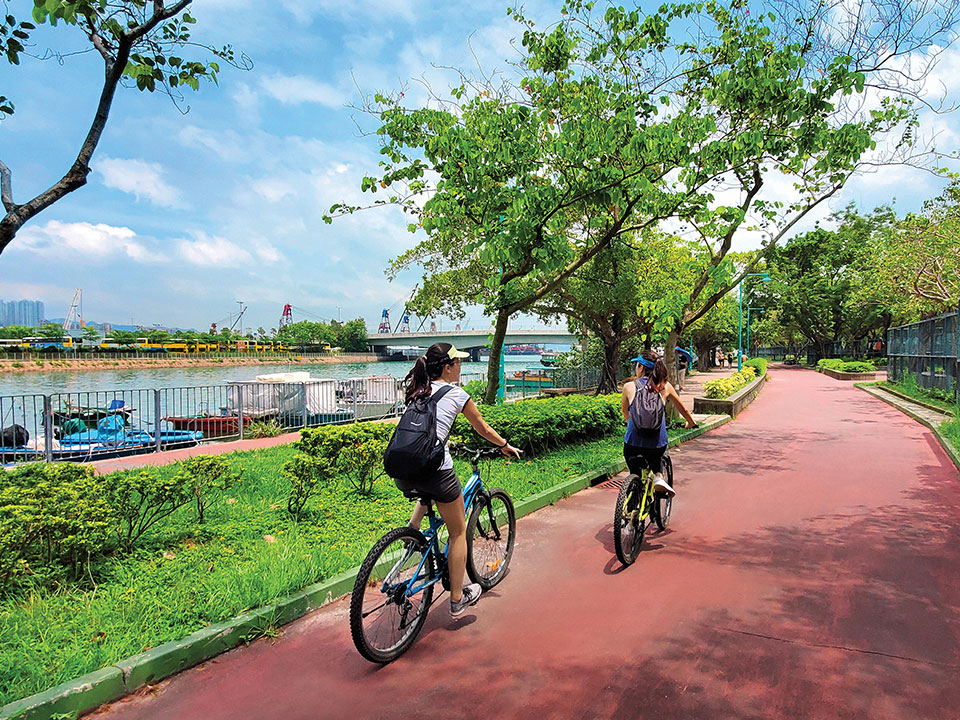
(491, 531)
(384, 618)
(663, 505)
(629, 524)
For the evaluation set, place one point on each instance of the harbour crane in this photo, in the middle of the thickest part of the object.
(75, 313)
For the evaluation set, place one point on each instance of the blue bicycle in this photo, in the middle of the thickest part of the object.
(395, 584)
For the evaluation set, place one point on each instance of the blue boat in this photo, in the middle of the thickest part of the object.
(110, 439)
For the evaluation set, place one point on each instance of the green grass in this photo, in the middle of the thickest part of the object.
(951, 430)
(911, 389)
(186, 576)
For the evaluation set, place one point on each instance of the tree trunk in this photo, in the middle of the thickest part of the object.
(611, 365)
(704, 356)
(493, 364)
(670, 355)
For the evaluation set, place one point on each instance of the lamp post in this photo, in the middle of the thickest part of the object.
(748, 323)
(766, 278)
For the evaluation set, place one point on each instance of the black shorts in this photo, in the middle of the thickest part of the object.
(639, 459)
(441, 486)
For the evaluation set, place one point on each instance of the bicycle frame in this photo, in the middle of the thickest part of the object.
(472, 489)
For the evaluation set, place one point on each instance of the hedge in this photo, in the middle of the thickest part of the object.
(759, 363)
(846, 366)
(725, 387)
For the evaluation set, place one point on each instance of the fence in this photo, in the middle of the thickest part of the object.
(851, 349)
(928, 350)
(87, 426)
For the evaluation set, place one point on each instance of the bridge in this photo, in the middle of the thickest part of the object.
(471, 341)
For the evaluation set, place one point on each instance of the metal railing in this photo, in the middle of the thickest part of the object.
(928, 350)
(95, 425)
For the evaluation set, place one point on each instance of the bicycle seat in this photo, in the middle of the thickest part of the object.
(412, 494)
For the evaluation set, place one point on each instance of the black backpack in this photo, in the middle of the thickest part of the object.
(415, 449)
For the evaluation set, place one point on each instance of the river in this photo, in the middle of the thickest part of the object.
(152, 378)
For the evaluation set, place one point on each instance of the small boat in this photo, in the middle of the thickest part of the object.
(70, 418)
(533, 379)
(111, 439)
(210, 425)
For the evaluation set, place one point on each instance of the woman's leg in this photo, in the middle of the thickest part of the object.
(419, 511)
(456, 521)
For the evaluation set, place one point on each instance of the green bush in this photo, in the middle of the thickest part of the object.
(857, 367)
(725, 387)
(476, 389)
(263, 429)
(830, 363)
(759, 363)
(355, 451)
(539, 424)
(305, 474)
(140, 500)
(52, 519)
(206, 477)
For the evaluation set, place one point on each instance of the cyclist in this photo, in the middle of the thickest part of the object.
(652, 377)
(438, 368)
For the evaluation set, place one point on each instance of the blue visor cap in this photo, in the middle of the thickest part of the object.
(643, 361)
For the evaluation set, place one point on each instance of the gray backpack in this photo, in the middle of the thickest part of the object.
(646, 411)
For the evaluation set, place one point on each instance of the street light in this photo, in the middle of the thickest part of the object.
(766, 278)
(748, 322)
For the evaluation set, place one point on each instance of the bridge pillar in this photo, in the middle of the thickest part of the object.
(475, 354)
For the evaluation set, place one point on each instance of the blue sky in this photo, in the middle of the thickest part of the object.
(184, 215)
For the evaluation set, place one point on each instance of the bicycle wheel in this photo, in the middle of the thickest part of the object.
(384, 618)
(491, 530)
(663, 505)
(629, 524)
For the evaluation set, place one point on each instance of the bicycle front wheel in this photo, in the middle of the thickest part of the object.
(629, 523)
(491, 531)
(663, 505)
(386, 611)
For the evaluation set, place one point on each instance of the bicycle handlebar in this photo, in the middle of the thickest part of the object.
(477, 453)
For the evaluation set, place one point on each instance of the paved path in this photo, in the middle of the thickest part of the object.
(811, 572)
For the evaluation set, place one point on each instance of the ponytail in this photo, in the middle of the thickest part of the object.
(426, 369)
(417, 381)
(657, 375)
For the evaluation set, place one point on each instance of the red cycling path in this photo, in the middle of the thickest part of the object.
(812, 571)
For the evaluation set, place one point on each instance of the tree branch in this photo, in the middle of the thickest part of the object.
(6, 188)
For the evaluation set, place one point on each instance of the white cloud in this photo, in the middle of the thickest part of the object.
(298, 89)
(213, 251)
(85, 242)
(140, 178)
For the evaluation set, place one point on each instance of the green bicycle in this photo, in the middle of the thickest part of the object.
(637, 505)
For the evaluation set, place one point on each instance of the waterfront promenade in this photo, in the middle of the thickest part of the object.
(810, 572)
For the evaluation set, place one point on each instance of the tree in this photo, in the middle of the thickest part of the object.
(915, 265)
(814, 277)
(53, 331)
(123, 337)
(140, 42)
(620, 123)
(90, 333)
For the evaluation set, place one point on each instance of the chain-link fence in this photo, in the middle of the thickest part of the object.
(928, 350)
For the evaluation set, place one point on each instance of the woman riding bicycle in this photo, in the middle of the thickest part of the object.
(650, 444)
(438, 368)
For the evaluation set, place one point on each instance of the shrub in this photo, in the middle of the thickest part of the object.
(305, 474)
(759, 363)
(857, 367)
(263, 429)
(830, 363)
(355, 451)
(536, 425)
(725, 387)
(51, 516)
(139, 500)
(476, 389)
(206, 476)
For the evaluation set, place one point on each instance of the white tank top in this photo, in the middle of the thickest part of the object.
(449, 406)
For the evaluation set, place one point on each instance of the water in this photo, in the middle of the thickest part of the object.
(150, 378)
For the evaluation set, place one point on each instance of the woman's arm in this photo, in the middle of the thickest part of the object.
(625, 399)
(672, 396)
(472, 413)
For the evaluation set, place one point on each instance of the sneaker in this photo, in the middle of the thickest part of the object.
(471, 593)
(661, 485)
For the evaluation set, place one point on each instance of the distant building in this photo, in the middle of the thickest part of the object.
(21, 312)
